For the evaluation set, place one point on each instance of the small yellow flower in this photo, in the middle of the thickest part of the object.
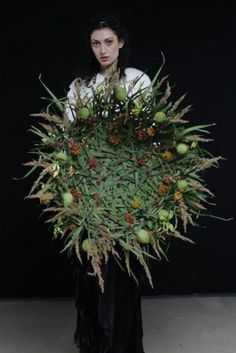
(101, 88)
(178, 195)
(55, 169)
(136, 203)
(167, 154)
(136, 110)
(151, 131)
(71, 171)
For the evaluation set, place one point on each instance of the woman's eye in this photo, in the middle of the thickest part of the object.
(109, 42)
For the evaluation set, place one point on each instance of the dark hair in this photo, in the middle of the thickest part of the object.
(105, 20)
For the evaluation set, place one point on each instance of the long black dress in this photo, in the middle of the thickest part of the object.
(109, 322)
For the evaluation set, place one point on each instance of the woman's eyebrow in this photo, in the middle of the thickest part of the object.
(98, 41)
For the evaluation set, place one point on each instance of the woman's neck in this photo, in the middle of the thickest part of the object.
(108, 71)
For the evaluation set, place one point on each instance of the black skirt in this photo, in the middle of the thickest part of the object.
(109, 322)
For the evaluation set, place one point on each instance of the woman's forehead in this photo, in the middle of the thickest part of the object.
(103, 33)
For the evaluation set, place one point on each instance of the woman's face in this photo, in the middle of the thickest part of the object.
(105, 46)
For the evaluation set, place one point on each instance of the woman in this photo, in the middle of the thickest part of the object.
(108, 43)
(109, 322)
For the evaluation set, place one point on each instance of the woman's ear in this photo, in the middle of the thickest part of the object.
(121, 43)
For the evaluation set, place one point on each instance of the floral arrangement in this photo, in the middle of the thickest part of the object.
(127, 170)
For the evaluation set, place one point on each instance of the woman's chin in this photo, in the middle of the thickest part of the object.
(108, 65)
(105, 66)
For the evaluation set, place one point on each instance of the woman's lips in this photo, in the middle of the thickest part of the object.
(104, 58)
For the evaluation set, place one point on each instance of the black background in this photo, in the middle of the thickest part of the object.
(200, 51)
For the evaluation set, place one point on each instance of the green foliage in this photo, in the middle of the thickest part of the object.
(126, 169)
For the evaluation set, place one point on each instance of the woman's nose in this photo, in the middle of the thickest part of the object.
(103, 49)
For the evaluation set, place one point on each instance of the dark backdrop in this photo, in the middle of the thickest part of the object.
(200, 51)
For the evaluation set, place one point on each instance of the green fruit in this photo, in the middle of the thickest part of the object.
(120, 93)
(143, 236)
(182, 185)
(163, 214)
(67, 199)
(182, 148)
(61, 156)
(159, 117)
(84, 113)
(86, 244)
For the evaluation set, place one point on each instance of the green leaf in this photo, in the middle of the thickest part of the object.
(136, 179)
(195, 128)
(55, 99)
(28, 173)
(159, 70)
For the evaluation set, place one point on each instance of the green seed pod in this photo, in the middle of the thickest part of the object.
(86, 244)
(61, 156)
(163, 214)
(67, 198)
(84, 113)
(182, 148)
(159, 117)
(120, 93)
(143, 236)
(182, 185)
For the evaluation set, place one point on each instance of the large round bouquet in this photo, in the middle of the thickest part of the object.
(127, 170)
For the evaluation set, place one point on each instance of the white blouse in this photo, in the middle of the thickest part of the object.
(135, 80)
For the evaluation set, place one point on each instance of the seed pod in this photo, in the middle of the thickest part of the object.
(163, 214)
(143, 236)
(182, 185)
(120, 93)
(61, 156)
(159, 117)
(67, 198)
(86, 244)
(182, 148)
(84, 113)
